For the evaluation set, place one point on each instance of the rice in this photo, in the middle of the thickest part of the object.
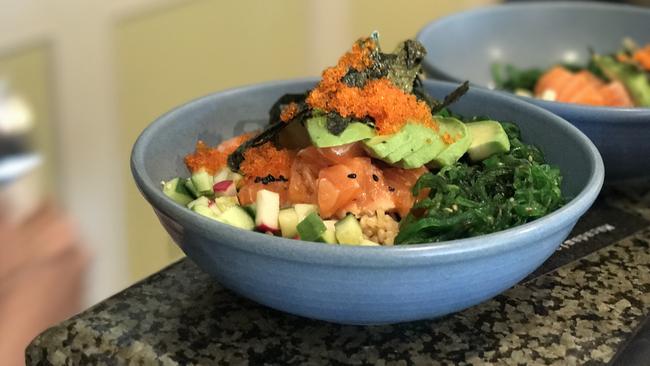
(380, 228)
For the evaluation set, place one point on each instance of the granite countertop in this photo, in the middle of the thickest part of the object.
(585, 306)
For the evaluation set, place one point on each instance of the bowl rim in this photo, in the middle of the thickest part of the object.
(639, 114)
(351, 255)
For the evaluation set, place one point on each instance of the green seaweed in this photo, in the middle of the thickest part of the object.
(467, 200)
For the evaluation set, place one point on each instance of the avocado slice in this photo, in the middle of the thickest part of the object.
(488, 138)
(380, 146)
(321, 137)
(431, 147)
(451, 153)
(418, 137)
(636, 82)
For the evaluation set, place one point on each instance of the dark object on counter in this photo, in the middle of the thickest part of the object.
(636, 351)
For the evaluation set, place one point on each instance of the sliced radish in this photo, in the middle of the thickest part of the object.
(225, 188)
(268, 209)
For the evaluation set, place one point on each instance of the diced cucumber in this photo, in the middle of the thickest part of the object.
(288, 219)
(175, 190)
(205, 211)
(251, 209)
(304, 209)
(190, 187)
(223, 174)
(367, 242)
(329, 236)
(348, 231)
(201, 201)
(311, 228)
(238, 217)
(202, 182)
(224, 203)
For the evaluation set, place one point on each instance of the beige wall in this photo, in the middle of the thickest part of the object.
(183, 52)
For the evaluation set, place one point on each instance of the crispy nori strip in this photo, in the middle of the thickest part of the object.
(451, 97)
(237, 157)
(421, 94)
(272, 131)
(276, 108)
(336, 123)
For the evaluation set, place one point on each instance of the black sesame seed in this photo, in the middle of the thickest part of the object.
(375, 178)
(392, 189)
(352, 175)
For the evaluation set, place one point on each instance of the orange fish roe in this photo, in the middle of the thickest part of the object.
(267, 160)
(389, 106)
(213, 158)
(642, 56)
(446, 137)
(289, 112)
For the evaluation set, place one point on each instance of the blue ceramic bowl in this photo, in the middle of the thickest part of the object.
(465, 45)
(352, 284)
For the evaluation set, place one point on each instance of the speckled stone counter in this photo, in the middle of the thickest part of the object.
(582, 312)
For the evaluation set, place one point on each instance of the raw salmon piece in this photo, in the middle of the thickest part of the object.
(374, 195)
(336, 188)
(303, 183)
(341, 154)
(247, 193)
(400, 182)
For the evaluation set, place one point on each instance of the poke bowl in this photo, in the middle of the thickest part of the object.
(541, 35)
(360, 284)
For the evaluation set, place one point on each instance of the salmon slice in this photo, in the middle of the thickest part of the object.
(553, 79)
(578, 81)
(616, 95)
(583, 87)
(589, 94)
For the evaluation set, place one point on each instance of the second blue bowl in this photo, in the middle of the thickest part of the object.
(465, 45)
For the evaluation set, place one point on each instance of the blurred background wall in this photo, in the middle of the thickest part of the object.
(94, 73)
